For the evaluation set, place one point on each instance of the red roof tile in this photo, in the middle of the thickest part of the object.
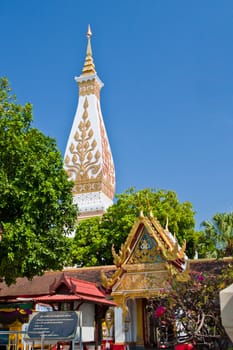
(64, 297)
(83, 287)
(40, 285)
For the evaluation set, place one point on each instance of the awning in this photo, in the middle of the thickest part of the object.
(73, 297)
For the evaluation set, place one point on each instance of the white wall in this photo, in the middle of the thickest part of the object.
(88, 317)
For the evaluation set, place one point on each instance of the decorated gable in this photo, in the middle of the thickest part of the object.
(150, 256)
(146, 249)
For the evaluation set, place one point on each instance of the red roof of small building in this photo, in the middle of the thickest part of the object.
(64, 298)
(83, 281)
(69, 289)
(77, 286)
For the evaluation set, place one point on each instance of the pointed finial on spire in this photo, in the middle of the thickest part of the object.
(89, 35)
(89, 67)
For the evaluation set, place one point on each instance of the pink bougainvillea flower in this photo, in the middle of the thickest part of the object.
(160, 311)
(200, 278)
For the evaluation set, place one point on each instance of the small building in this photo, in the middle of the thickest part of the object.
(148, 259)
(68, 290)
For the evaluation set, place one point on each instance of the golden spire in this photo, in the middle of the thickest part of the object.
(89, 67)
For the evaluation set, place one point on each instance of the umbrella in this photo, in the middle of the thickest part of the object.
(226, 304)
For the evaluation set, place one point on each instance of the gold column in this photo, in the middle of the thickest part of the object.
(140, 340)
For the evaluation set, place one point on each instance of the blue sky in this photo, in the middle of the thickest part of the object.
(167, 102)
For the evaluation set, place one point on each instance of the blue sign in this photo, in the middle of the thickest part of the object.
(57, 325)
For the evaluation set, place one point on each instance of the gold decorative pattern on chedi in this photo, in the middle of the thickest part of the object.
(84, 166)
(108, 170)
(143, 281)
(91, 170)
(146, 251)
(88, 87)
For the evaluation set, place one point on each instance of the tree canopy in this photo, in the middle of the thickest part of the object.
(95, 236)
(36, 210)
(218, 236)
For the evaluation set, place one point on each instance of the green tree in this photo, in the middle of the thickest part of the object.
(88, 244)
(95, 237)
(217, 239)
(36, 210)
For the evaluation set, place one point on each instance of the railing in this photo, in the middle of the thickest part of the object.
(19, 340)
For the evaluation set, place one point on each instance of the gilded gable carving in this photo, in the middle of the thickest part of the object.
(147, 259)
(146, 251)
(143, 281)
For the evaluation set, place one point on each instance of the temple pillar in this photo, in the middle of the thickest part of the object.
(140, 340)
(119, 326)
(130, 324)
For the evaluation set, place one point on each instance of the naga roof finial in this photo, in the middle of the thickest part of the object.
(151, 215)
(141, 215)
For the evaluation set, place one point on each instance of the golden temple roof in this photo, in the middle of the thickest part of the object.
(150, 246)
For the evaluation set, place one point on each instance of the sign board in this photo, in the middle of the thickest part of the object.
(43, 307)
(55, 325)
